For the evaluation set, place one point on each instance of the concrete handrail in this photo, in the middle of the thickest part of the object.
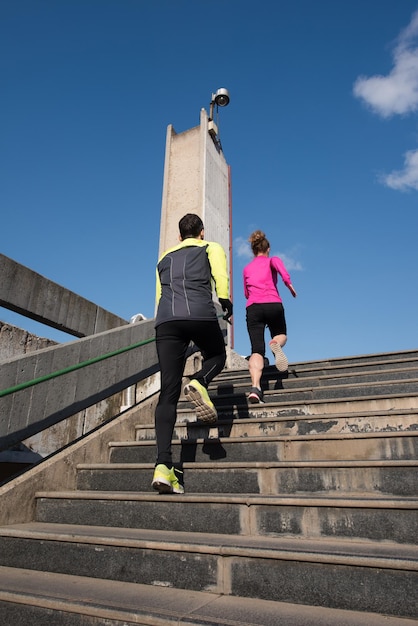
(28, 293)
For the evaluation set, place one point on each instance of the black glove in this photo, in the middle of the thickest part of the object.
(226, 305)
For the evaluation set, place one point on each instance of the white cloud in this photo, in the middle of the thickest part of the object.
(396, 93)
(290, 263)
(406, 178)
(242, 248)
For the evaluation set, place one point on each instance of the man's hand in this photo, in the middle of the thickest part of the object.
(227, 307)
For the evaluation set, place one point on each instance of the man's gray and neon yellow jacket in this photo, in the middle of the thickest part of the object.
(186, 275)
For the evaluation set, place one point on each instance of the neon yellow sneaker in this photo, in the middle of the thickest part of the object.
(198, 395)
(167, 480)
(280, 358)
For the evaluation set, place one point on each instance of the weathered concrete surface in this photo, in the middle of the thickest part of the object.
(78, 601)
(235, 361)
(15, 341)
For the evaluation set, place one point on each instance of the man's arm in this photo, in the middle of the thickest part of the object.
(217, 260)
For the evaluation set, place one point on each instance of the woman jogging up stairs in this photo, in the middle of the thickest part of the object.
(298, 511)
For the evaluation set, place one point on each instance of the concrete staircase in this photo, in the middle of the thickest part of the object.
(300, 511)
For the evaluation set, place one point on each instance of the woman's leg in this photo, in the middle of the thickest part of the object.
(256, 366)
(280, 339)
(256, 328)
(276, 323)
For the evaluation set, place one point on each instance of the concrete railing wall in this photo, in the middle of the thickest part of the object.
(28, 410)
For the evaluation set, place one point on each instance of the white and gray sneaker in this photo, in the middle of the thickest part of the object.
(281, 361)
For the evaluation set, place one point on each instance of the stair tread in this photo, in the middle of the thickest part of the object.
(340, 499)
(361, 360)
(316, 417)
(352, 378)
(144, 604)
(354, 385)
(367, 553)
(312, 400)
(261, 464)
(272, 438)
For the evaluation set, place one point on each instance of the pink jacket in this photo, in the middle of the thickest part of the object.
(260, 279)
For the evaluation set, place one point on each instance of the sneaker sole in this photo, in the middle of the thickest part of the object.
(204, 413)
(254, 399)
(281, 361)
(162, 487)
(165, 489)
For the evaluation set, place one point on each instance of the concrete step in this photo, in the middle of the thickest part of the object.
(383, 576)
(285, 425)
(390, 478)
(349, 399)
(352, 391)
(315, 396)
(307, 403)
(377, 518)
(328, 446)
(377, 362)
(50, 599)
(381, 358)
(274, 380)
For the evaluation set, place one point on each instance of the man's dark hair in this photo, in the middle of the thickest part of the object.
(190, 225)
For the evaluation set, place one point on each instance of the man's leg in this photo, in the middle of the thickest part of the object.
(209, 339)
(171, 350)
(207, 336)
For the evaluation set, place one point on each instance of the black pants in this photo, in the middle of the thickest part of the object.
(172, 340)
(270, 314)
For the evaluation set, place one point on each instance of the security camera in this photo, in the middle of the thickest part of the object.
(221, 98)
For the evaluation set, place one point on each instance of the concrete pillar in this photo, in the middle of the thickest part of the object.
(196, 180)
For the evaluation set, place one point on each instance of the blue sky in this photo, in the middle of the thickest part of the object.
(321, 135)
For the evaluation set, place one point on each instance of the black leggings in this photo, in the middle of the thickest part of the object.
(270, 314)
(172, 340)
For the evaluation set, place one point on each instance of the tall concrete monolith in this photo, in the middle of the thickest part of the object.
(197, 180)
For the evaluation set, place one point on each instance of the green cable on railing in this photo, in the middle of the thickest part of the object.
(72, 368)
